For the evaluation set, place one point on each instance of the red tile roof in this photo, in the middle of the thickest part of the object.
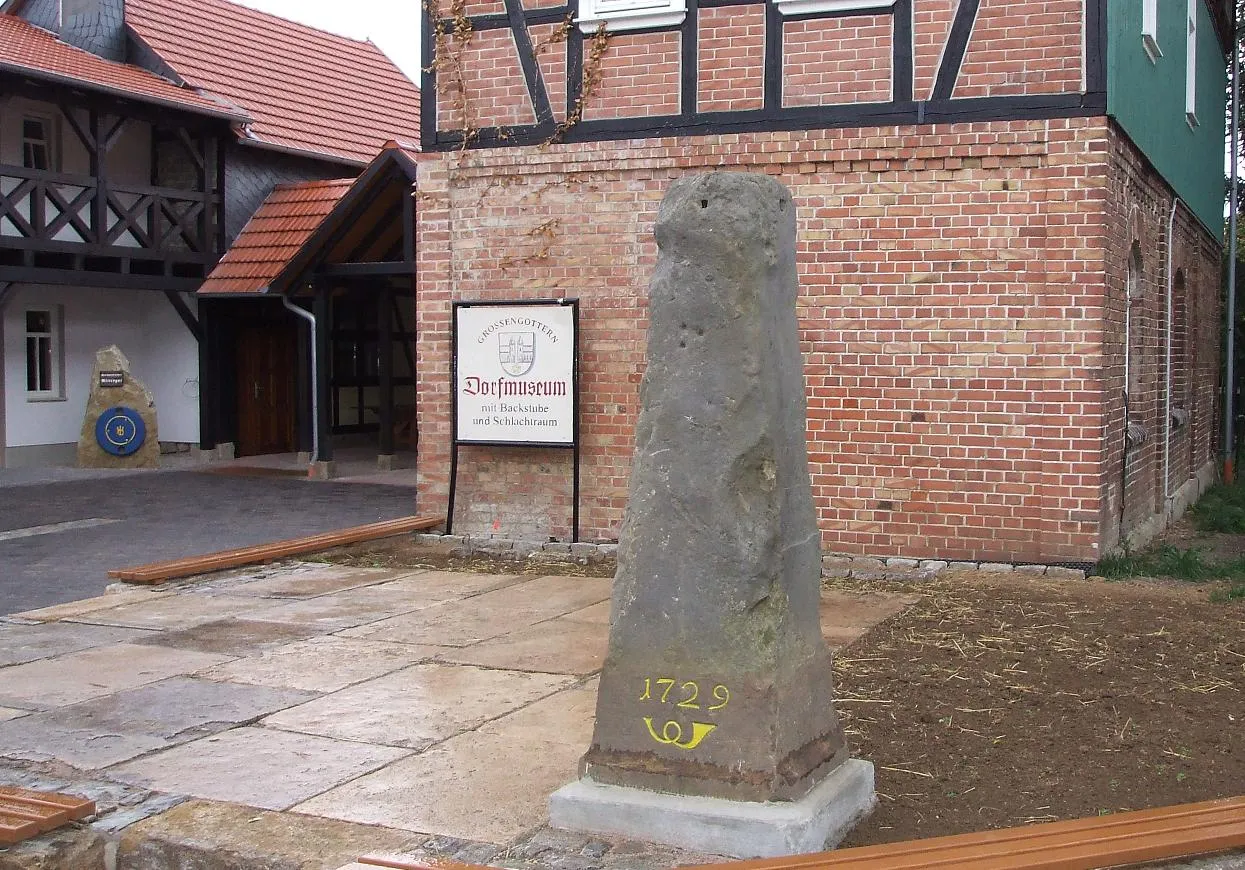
(307, 90)
(274, 234)
(38, 54)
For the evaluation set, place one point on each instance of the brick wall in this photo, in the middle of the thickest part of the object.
(1136, 502)
(1023, 48)
(1031, 47)
(958, 341)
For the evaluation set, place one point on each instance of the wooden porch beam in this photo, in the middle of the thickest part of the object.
(184, 312)
(367, 270)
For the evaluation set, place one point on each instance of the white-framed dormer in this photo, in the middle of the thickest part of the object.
(1150, 29)
(630, 14)
(801, 7)
(1190, 75)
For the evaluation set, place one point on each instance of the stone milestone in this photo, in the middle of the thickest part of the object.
(718, 683)
(133, 394)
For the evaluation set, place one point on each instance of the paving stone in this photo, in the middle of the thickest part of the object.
(598, 613)
(7, 713)
(559, 646)
(1057, 573)
(207, 835)
(120, 819)
(27, 643)
(172, 612)
(233, 637)
(115, 728)
(304, 579)
(340, 609)
(80, 676)
(460, 789)
(260, 767)
(419, 705)
(433, 587)
(113, 598)
(848, 616)
(322, 664)
(494, 613)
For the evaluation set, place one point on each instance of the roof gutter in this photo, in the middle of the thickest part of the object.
(58, 78)
(315, 371)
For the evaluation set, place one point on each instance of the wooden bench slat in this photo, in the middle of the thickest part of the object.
(158, 572)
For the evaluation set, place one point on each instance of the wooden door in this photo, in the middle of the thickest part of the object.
(267, 381)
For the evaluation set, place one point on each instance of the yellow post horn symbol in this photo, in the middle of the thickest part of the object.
(672, 733)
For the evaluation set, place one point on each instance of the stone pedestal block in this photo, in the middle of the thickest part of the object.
(717, 683)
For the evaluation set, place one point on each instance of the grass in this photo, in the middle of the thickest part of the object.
(1166, 561)
(1221, 509)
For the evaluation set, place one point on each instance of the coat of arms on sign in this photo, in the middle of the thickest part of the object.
(517, 352)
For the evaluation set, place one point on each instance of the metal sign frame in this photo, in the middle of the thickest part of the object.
(455, 443)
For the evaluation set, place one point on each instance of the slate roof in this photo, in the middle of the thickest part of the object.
(307, 90)
(274, 234)
(35, 53)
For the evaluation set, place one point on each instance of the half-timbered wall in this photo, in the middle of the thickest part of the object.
(505, 72)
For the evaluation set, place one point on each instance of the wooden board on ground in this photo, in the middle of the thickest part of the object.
(160, 572)
(25, 813)
(1115, 840)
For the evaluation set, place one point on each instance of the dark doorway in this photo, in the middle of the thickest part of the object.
(267, 388)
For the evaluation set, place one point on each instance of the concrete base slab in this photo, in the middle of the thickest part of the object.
(323, 470)
(739, 829)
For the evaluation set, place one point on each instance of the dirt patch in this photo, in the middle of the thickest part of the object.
(997, 701)
(406, 553)
(1183, 535)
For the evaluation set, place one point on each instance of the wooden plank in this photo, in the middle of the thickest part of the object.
(25, 813)
(1079, 844)
(160, 572)
(78, 808)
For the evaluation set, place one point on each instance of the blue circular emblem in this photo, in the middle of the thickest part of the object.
(120, 431)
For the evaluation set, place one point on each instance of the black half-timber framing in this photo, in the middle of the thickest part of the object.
(902, 109)
(184, 312)
(89, 229)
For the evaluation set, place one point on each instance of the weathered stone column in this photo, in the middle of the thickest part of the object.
(718, 681)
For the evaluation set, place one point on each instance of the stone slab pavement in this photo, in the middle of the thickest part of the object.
(315, 713)
(62, 530)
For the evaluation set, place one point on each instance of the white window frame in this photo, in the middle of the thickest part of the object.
(48, 142)
(54, 357)
(1190, 74)
(801, 7)
(630, 14)
(1150, 29)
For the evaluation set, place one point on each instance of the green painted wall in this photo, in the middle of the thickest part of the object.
(1147, 99)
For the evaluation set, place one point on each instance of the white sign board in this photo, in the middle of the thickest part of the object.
(515, 374)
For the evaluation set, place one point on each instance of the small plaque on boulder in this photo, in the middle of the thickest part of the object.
(112, 379)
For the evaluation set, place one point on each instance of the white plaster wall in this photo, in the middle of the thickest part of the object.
(162, 353)
(129, 161)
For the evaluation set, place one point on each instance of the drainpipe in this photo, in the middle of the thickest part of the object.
(1167, 359)
(315, 366)
(1229, 435)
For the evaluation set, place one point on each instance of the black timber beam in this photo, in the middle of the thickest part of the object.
(184, 312)
(102, 280)
(366, 270)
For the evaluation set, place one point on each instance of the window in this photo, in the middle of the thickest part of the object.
(43, 354)
(1150, 29)
(1190, 76)
(630, 14)
(800, 7)
(37, 143)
